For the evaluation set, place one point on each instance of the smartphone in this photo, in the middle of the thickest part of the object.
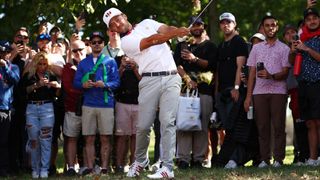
(92, 77)
(296, 37)
(245, 71)
(184, 45)
(20, 43)
(83, 15)
(46, 75)
(260, 66)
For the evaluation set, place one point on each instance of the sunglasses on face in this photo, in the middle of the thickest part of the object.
(42, 64)
(96, 42)
(22, 37)
(77, 50)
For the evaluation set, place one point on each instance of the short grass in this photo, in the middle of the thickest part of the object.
(286, 172)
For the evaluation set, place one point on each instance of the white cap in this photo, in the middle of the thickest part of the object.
(227, 16)
(259, 36)
(110, 13)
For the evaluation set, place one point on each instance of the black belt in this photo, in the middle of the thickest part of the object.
(161, 73)
(39, 102)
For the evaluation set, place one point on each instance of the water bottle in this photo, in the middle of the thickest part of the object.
(250, 113)
(297, 64)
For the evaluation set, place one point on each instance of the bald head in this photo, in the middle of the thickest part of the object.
(77, 44)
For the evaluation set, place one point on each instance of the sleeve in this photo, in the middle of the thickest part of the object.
(113, 80)
(78, 76)
(242, 48)
(131, 45)
(13, 73)
(252, 60)
(155, 24)
(285, 58)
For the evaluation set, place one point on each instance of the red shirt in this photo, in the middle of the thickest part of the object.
(71, 94)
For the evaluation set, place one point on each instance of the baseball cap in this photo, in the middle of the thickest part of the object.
(43, 37)
(195, 20)
(96, 34)
(110, 13)
(259, 36)
(227, 16)
(287, 27)
(309, 11)
(5, 46)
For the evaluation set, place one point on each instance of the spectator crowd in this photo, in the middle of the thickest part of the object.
(102, 98)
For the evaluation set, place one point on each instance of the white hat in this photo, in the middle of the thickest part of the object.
(259, 36)
(227, 16)
(110, 13)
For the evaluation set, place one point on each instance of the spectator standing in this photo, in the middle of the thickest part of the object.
(72, 121)
(199, 58)
(9, 77)
(40, 85)
(159, 87)
(309, 79)
(267, 86)
(232, 54)
(97, 75)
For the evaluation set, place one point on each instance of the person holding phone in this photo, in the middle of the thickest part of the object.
(309, 79)
(97, 75)
(269, 66)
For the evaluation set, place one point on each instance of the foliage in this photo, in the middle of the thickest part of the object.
(29, 13)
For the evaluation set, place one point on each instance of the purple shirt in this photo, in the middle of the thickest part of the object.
(274, 57)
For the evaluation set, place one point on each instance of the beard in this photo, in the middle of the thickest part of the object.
(197, 33)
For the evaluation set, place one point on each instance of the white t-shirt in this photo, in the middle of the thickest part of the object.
(153, 59)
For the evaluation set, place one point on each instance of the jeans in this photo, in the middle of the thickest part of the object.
(39, 124)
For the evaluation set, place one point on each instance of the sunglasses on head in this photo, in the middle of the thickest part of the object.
(22, 37)
(96, 42)
(77, 50)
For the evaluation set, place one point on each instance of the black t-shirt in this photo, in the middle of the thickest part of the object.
(41, 93)
(206, 50)
(128, 91)
(228, 51)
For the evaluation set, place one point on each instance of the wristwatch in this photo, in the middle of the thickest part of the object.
(236, 87)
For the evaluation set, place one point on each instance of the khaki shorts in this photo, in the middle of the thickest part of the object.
(126, 118)
(97, 120)
(71, 124)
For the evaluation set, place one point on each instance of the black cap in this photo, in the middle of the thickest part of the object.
(194, 20)
(5, 46)
(309, 11)
(96, 34)
(54, 29)
(287, 27)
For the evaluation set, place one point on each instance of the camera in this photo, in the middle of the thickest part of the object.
(92, 77)
(245, 71)
(128, 67)
(260, 66)
(184, 45)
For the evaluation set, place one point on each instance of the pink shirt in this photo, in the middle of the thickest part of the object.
(274, 57)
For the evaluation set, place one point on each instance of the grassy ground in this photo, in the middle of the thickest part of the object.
(286, 172)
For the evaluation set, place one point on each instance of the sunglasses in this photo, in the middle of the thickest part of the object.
(77, 50)
(96, 42)
(22, 37)
(42, 64)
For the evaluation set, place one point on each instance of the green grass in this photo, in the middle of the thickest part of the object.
(286, 172)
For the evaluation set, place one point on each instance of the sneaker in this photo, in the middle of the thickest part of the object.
(119, 169)
(263, 164)
(156, 166)
(105, 171)
(87, 172)
(136, 168)
(163, 172)
(71, 172)
(311, 162)
(44, 174)
(276, 164)
(206, 163)
(231, 165)
(35, 175)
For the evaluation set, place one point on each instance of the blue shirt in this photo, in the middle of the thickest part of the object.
(9, 76)
(310, 68)
(94, 97)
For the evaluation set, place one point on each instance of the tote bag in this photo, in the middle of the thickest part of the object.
(188, 116)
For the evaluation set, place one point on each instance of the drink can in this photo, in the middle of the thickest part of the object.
(250, 113)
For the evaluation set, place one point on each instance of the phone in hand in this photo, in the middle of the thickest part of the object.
(245, 71)
(19, 43)
(46, 75)
(184, 45)
(92, 77)
(83, 15)
(260, 66)
(295, 37)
